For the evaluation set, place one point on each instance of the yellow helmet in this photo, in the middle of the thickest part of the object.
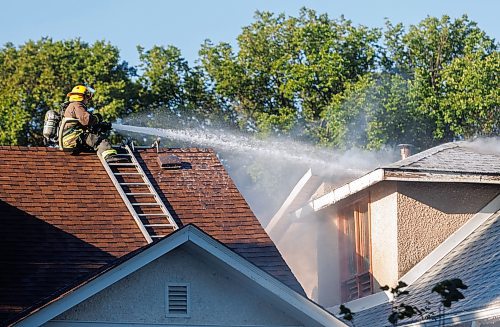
(79, 92)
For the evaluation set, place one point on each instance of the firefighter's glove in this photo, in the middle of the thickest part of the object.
(105, 126)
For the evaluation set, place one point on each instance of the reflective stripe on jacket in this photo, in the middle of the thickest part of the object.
(72, 131)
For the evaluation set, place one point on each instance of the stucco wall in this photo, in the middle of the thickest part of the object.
(328, 288)
(429, 212)
(383, 217)
(218, 297)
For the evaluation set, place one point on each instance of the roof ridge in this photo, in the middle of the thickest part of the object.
(422, 155)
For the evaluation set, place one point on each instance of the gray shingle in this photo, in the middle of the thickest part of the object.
(476, 261)
(459, 157)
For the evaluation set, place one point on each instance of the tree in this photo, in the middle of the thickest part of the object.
(448, 291)
(288, 69)
(172, 90)
(439, 58)
(36, 77)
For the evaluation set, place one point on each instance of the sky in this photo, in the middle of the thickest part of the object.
(187, 23)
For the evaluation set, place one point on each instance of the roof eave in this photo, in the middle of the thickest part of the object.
(385, 174)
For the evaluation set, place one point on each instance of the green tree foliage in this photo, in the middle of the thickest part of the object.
(170, 88)
(311, 77)
(36, 77)
(288, 69)
(452, 68)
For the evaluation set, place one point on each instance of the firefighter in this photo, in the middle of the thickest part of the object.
(90, 132)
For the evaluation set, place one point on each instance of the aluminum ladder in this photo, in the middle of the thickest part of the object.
(140, 196)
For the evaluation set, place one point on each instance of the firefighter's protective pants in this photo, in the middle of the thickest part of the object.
(96, 142)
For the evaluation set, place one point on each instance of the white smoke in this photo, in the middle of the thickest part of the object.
(265, 172)
(490, 145)
(275, 163)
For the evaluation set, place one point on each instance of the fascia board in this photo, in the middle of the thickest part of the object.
(439, 176)
(366, 302)
(348, 189)
(385, 174)
(282, 210)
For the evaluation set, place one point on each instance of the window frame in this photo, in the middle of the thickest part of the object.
(353, 285)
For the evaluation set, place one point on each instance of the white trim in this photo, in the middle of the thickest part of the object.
(386, 174)
(189, 233)
(96, 285)
(341, 193)
(364, 303)
(452, 241)
(267, 281)
(289, 200)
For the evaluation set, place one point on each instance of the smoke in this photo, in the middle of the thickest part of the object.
(490, 145)
(265, 171)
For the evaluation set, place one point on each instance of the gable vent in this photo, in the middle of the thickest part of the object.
(177, 300)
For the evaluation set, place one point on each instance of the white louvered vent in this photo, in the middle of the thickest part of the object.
(177, 300)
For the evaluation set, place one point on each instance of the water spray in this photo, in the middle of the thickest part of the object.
(300, 153)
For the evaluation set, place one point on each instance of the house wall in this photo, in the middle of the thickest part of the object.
(218, 296)
(327, 244)
(430, 212)
(383, 217)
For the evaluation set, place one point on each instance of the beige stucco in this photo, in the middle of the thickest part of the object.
(430, 212)
(218, 296)
(383, 217)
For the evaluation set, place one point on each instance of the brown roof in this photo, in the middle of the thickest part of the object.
(61, 219)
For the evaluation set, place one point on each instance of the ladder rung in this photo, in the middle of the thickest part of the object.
(118, 164)
(134, 170)
(134, 184)
(151, 214)
(158, 225)
(121, 174)
(139, 194)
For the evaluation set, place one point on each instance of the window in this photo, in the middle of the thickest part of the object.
(356, 278)
(177, 300)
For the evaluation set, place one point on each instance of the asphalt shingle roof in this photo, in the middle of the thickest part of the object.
(458, 157)
(476, 261)
(61, 219)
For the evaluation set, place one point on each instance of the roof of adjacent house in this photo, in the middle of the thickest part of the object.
(475, 260)
(458, 157)
(62, 219)
(455, 162)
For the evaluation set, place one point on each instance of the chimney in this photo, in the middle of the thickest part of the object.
(405, 150)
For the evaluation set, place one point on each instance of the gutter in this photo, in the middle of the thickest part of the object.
(341, 193)
(391, 174)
